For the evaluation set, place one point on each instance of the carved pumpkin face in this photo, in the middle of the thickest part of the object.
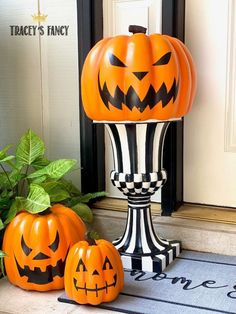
(137, 78)
(37, 247)
(93, 273)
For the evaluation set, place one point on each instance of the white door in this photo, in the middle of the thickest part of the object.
(210, 128)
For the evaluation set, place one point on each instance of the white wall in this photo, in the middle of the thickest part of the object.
(39, 78)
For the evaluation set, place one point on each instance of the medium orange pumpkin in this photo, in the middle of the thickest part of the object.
(93, 273)
(137, 78)
(37, 246)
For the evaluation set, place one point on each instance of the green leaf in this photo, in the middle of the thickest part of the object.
(39, 180)
(37, 201)
(14, 177)
(70, 187)
(1, 227)
(4, 150)
(2, 254)
(84, 212)
(55, 170)
(4, 182)
(6, 200)
(5, 194)
(56, 191)
(29, 148)
(88, 197)
(40, 163)
(7, 158)
(16, 206)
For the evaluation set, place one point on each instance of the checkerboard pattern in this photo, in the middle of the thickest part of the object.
(138, 183)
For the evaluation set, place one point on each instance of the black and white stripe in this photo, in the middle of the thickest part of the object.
(140, 247)
(138, 173)
(137, 148)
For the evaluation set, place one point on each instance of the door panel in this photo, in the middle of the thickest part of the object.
(209, 164)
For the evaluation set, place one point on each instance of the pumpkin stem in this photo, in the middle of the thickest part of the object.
(137, 29)
(91, 237)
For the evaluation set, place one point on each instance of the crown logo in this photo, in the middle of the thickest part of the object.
(40, 17)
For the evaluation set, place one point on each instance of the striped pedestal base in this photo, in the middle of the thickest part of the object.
(138, 173)
(153, 263)
(140, 247)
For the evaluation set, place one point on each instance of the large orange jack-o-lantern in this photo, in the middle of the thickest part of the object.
(137, 78)
(37, 247)
(93, 273)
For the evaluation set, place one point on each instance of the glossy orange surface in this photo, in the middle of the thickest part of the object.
(93, 273)
(125, 78)
(37, 247)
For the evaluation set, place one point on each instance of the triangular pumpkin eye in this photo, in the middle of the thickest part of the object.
(27, 250)
(116, 61)
(107, 264)
(81, 265)
(55, 243)
(164, 59)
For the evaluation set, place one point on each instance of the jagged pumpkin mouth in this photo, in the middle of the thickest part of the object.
(40, 277)
(131, 99)
(96, 288)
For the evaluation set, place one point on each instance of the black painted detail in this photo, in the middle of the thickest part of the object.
(27, 250)
(41, 256)
(132, 144)
(164, 59)
(54, 245)
(107, 264)
(95, 272)
(116, 61)
(131, 99)
(136, 263)
(96, 288)
(140, 75)
(81, 263)
(157, 265)
(42, 277)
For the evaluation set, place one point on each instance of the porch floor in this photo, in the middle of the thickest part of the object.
(14, 300)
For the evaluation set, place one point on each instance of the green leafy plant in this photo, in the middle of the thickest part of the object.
(2, 254)
(31, 182)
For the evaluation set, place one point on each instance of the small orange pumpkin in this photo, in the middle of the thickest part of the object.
(137, 78)
(37, 247)
(94, 272)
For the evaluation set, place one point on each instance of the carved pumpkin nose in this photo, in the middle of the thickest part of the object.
(140, 75)
(41, 256)
(95, 272)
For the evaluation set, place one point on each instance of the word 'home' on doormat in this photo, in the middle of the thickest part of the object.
(195, 283)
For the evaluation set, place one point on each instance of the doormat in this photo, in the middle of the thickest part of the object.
(195, 283)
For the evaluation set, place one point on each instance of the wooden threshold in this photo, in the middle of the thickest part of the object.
(207, 213)
(187, 211)
(118, 204)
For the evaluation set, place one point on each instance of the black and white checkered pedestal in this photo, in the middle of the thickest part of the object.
(138, 173)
